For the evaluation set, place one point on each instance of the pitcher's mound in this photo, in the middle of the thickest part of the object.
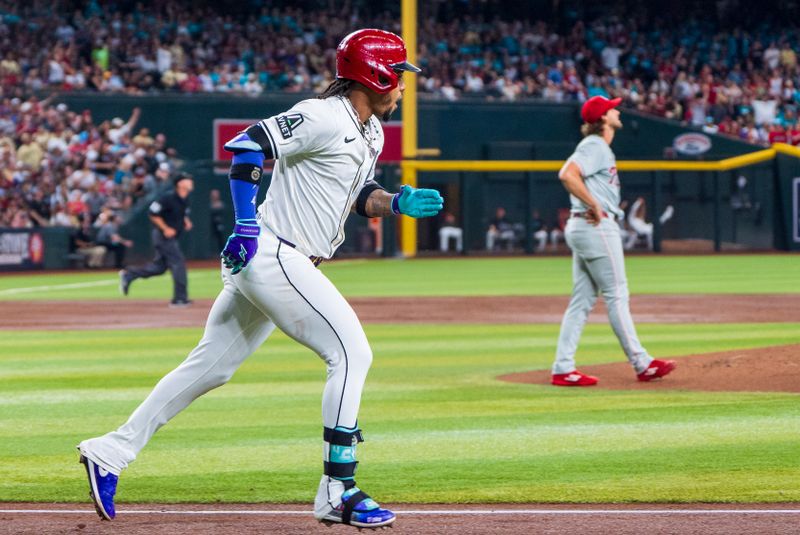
(765, 369)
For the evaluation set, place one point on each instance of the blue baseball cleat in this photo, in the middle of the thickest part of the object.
(102, 487)
(359, 510)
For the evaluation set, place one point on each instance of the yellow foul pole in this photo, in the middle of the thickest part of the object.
(408, 225)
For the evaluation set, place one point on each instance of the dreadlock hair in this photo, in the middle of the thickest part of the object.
(596, 128)
(339, 87)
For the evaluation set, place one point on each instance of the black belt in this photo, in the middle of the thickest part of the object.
(583, 215)
(316, 260)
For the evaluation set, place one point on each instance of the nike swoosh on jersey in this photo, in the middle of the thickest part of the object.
(348, 140)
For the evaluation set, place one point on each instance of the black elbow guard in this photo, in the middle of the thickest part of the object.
(255, 139)
(261, 135)
(361, 201)
(247, 172)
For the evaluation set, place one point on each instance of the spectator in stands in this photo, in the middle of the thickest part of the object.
(681, 65)
(108, 236)
(83, 243)
(450, 231)
(500, 232)
(539, 229)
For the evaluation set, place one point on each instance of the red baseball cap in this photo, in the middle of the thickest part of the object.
(594, 108)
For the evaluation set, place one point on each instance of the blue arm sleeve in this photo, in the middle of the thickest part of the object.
(243, 192)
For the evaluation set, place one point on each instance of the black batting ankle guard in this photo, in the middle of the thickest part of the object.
(341, 463)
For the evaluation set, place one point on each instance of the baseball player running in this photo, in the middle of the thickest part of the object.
(325, 151)
(598, 265)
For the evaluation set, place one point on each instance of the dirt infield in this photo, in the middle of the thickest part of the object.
(136, 314)
(771, 369)
(708, 519)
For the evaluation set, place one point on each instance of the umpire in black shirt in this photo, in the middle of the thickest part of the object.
(170, 217)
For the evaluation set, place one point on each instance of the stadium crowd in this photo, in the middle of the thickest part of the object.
(59, 167)
(736, 82)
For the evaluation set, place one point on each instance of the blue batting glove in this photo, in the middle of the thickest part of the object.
(241, 246)
(417, 202)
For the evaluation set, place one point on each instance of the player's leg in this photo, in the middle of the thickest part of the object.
(235, 328)
(177, 266)
(649, 236)
(541, 239)
(157, 266)
(584, 296)
(306, 306)
(606, 264)
(632, 236)
(555, 236)
(459, 235)
(491, 236)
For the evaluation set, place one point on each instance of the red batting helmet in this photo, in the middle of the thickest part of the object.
(373, 58)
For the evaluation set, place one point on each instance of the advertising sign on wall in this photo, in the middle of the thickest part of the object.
(21, 249)
(692, 144)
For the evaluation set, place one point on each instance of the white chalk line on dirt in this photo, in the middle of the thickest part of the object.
(70, 286)
(452, 512)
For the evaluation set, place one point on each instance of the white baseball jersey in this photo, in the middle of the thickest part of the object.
(599, 170)
(324, 156)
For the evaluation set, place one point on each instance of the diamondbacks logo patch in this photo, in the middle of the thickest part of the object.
(255, 174)
(287, 124)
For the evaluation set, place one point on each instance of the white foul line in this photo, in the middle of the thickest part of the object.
(452, 512)
(73, 285)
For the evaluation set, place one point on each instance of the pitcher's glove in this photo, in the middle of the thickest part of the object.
(241, 246)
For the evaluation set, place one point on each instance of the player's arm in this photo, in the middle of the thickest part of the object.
(250, 148)
(374, 201)
(572, 179)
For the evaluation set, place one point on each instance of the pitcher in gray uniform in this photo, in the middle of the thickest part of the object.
(598, 265)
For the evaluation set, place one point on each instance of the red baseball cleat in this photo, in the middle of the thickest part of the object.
(658, 368)
(575, 378)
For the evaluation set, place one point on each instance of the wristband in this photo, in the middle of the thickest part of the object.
(396, 204)
(246, 228)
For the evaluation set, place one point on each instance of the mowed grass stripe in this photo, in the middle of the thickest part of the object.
(745, 274)
(439, 426)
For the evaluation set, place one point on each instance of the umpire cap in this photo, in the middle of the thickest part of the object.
(182, 176)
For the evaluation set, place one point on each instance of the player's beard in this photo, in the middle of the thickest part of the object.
(389, 111)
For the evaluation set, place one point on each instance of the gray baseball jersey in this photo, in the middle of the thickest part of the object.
(599, 171)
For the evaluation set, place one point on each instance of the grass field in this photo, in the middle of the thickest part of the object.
(439, 426)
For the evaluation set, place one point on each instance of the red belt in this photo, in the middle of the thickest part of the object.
(316, 260)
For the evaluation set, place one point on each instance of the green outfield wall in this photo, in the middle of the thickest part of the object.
(753, 217)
